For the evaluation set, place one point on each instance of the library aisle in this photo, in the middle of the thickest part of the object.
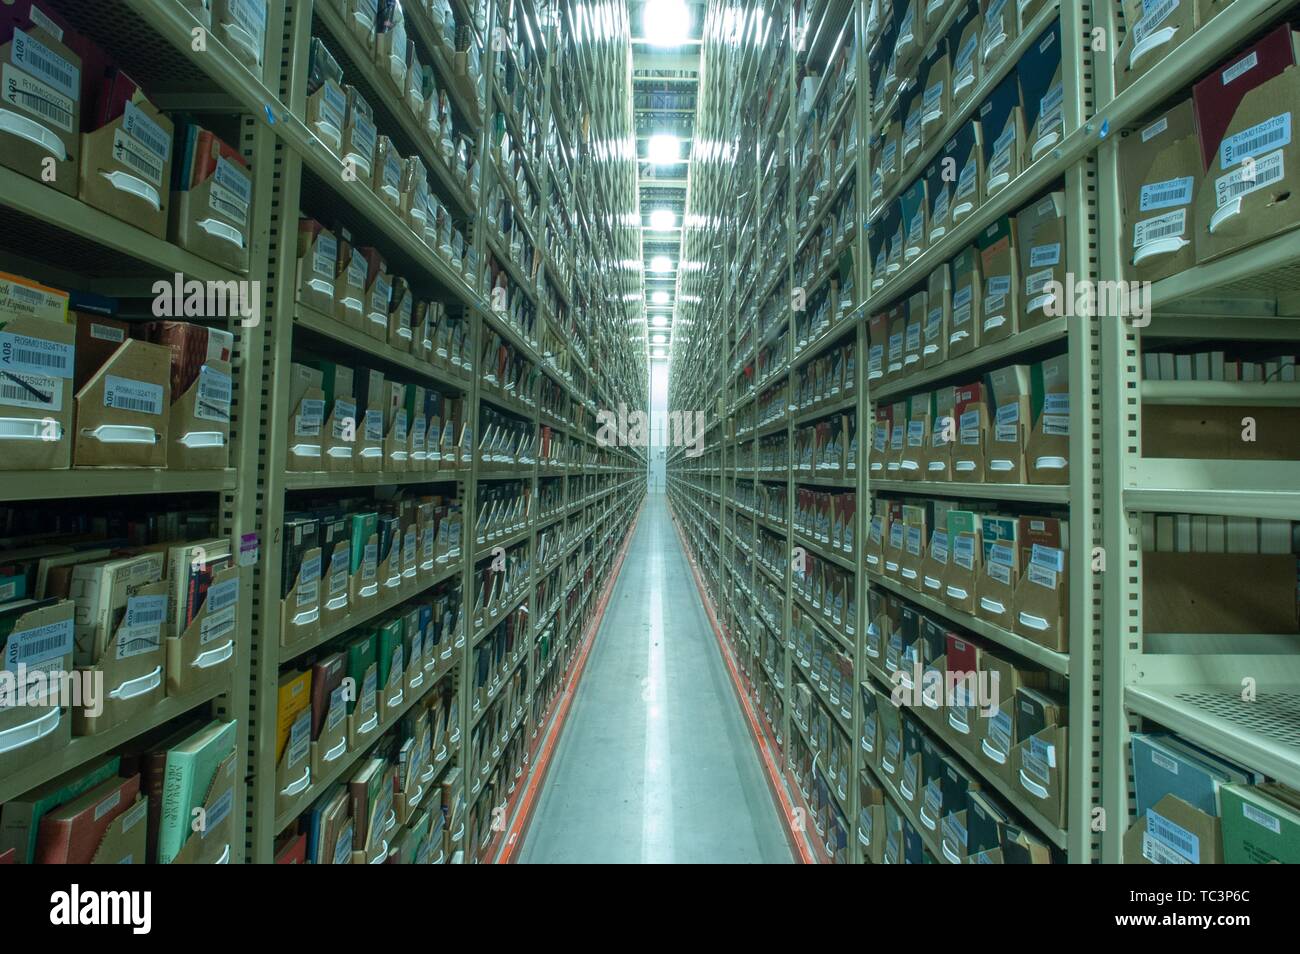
(655, 764)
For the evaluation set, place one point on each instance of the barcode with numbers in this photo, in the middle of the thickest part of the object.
(40, 359)
(41, 107)
(32, 54)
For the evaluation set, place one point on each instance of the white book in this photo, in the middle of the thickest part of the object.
(1183, 532)
(1200, 533)
(1203, 366)
(1183, 367)
(1288, 368)
(1216, 365)
(1165, 532)
(1216, 534)
(1243, 535)
(1151, 366)
(1166, 366)
(1274, 536)
(1272, 371)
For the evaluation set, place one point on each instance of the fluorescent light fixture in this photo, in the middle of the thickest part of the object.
(660, 339)
(661, 263)
(661, 220)
(664, 149)
(660, 321)
(660, 298)
(666, 22)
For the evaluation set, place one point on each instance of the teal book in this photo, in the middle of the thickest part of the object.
(363, 525)
(389, 653)
(191, 767)
(20, 818)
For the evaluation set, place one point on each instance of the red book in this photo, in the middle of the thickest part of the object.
(292, 851)
(962, 654)
(1218, 95)
(71, 834)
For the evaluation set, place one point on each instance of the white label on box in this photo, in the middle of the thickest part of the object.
(31, 95)
(215, 392)
(147, 132)
(1169, 225)
(309, 582)
(219, 811)
(223, 595)
(107, 333)
(345, 410)
(999, 731)
(32, 647)
(35, 355)
(1042, 576)
(42, 20)
(39, 60)
(1252, 176)
(1158, 853)
(128, 153)
(998, 285)
(37, 391)
(963, 552)
(1261, 818)
(327, 253)
(374, 426)
(250, 16)
(1185, 845)
(1155, 129)
(1038, 281)
(1272, 133)
(108, 804)
(235, 188)
(939, 546)
(1041, 256)
(399, 427)
(311, 414)
(1008, 413)
(1243, 65)
(370, 562)
(1167, 194)
(333, 106)
(217, 625)
(127, 394)
(1166, 763)
(299, 739)
(141, 630)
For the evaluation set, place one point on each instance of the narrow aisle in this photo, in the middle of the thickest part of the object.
(656, 763)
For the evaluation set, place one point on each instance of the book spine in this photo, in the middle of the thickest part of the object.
(177, 782)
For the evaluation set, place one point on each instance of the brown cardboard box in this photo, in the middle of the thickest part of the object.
(126, 166)
(1001, 276)
(390, 168)
(318, 253)
(943, 434)
(40, 729)
(37, 364)
(351, 272)
(1041, 237)
(913, 349)
(916, 440)
(211, 218)
(40, 112)
(1154, 30)
(1042, 604)
(1001, 27)
(973, 415)
(1244, 114)
(938, 315)
(123, 409)
(379, 293)
(1009, 408)
(327, 112)
(1144, 848)
(1160, 172)
(966, 321)
(1047, 447)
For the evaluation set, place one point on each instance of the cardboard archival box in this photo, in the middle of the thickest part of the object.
(205, 652)
(327, 110)
(967, 303)
(1008, 401)
(964, 48)
(1173, 832)
(241, 27)
(126, 166)
(300, 609)
(40, 102)
(42, 636)
(1000, 30)
(943, 433)
(212, 217)
(37, 365)
(306, 420)
(318, 254)
(1250, 159)
(131, 663)
(1042, 607)
(1155, 28)
(996, 585)
(913, 332)
(1043, 94)
(971, 410)
(210, 845)
(936, 89)
(965, 561)
(123, 410)
(915, 210)
(390, 168)
(1047, 446)
(1210, 432)
(916, 437)
(1041, 237)
(966, 150)
(401, 314)
(1160, 172)
(939, 191)
(938, 552)
(1001, 275)
(938, 316)
(910, 108)
(1002, 128)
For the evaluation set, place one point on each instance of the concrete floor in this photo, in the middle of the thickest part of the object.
(655, 764)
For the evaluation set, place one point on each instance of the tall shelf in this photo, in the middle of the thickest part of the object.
(576, 349)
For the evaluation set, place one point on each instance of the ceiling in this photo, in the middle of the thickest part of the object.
(665, 87)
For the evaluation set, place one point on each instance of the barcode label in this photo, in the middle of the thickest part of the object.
(374, 426)
(39, 60)
(1042, 576)
(998, 286)
(299, 738)
(1175, 836)
(1036, 282)
(145, 131)
(141, 630)
(31, 647)
(30, 94)
(1272, 133)
(126, 394)
(41, 19)
(37, 391)
(236, 185)
(311, 414)
(1041, 256)
(358, 270)
(1167, 194)
(222, 595)
(107, 333)
(1261, 817)
(327, 253)
(217, 625)
(1243, 65)
(1155, 129)
(35, 355)
(128, 152)
(1169, 225)
(333, 105)
(1250, 177)
(1154, 14)
(345, 419)
(214, 397)
(309, 582)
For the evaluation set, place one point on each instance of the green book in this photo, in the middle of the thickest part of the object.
(997, 530)
(1261, 824)
(961, 521)
(361, 655)
(363, 526)
(389, 652)
(191, 767)
(20, 818)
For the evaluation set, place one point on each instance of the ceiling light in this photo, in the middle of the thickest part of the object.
(661, 263)
(661, 220)
(666, 22)
(664, 149)
(660, 321)
(660, 298)
(660, 339)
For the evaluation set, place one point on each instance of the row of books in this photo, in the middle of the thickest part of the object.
(827, 448)
(169, 799)
(1217, 366)
(826, 517)
(832, 377)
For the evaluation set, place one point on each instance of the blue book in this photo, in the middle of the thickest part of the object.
(1166, 765)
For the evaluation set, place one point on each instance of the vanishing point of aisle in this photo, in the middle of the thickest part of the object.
(655, 764)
